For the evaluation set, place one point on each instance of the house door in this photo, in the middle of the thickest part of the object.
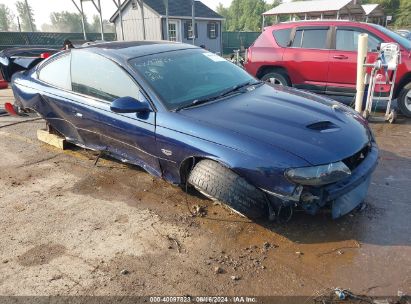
(174, 31)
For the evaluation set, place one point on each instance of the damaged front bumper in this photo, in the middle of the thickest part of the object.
(342, 197)
(347, 194)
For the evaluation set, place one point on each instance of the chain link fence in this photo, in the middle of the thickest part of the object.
(238, 41)
(41, 39)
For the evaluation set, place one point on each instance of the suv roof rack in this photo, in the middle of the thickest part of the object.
(319, 20)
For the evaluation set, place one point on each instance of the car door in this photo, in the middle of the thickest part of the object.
(307, 57)
(56, 104)
(342, 74)
(96, 82)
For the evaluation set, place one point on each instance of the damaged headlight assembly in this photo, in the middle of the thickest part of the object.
(318, 175)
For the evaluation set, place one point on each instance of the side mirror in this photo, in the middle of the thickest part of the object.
(129, 105)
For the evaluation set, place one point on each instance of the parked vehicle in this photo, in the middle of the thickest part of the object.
(189, 116)
(22, 58)
(321, 56)
(404, 33)
(3, 83)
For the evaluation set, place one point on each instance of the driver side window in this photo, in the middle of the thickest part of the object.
(99, 77)
(347, 40)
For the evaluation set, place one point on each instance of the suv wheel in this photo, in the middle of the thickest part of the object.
(404, 100)
(277, 77)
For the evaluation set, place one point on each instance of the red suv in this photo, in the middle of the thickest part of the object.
(321, 56)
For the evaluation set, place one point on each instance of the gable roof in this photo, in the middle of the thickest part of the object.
(372, 8)
(308, 7)
(176, 8)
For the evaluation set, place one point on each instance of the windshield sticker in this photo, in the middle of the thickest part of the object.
(214, 57)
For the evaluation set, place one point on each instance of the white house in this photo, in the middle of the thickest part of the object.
(207, 22)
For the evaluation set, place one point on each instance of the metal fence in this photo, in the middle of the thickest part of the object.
(238, 40)
(53, 40)
(231, 40)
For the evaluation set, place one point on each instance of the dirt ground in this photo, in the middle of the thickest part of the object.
(68, 227)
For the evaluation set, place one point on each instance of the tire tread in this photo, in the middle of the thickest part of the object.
(226, 186)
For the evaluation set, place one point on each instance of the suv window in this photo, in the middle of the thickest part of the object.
(347, 40)
(282, 37)
(57, 72)
(99, 77)
(310, 38)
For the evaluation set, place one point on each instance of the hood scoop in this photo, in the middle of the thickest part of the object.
(323, 126)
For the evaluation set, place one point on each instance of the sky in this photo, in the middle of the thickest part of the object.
(43, 8)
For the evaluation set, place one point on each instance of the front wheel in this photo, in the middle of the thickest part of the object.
(277, 77)
(220, 183)
(404, 100)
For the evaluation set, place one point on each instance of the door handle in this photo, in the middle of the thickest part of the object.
(79, 114)
(340, 57)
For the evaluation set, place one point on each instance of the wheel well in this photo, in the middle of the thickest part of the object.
(186, 166)
(189, 163)
(270, 68)
(403, 82)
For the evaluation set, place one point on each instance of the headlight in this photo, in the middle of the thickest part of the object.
(318, 175)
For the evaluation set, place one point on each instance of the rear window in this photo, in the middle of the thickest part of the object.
(282, 37)
(310, 38)
(57, 72)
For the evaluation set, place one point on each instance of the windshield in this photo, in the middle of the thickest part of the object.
(181, 77)
(404, 42)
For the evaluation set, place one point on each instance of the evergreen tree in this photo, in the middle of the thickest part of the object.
(26, 15)
(6, 19)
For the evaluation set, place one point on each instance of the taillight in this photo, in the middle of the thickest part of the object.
(247, 55)
(45, 55)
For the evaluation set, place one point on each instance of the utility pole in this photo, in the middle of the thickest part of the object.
(83, 22)
(98, 8)
(193, 21)
(29, 15)
(166, 5)
(143, 22)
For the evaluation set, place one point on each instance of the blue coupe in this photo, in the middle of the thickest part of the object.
(191, 117)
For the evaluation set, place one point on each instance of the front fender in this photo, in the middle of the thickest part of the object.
(260, 164)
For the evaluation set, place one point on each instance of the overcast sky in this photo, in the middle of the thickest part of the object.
(43, 8)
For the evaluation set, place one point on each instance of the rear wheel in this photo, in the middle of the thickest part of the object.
(404, 100)
(220, 183)
(277, 77)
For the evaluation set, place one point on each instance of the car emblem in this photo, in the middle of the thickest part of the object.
(166, 152)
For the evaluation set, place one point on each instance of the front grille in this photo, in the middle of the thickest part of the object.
(355, 160)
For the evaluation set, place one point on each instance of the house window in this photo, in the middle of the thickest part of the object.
(212, 30)
(172, 31)
(190, 31)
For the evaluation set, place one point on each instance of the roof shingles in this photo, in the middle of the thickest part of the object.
(178, 8)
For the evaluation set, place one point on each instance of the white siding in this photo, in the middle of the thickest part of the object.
(133, 25)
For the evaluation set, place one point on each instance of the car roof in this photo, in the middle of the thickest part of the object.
(125, 50)
(290, 24)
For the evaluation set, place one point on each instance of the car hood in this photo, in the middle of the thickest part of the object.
(316, 129)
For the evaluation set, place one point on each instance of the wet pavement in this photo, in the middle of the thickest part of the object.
(68, 227)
